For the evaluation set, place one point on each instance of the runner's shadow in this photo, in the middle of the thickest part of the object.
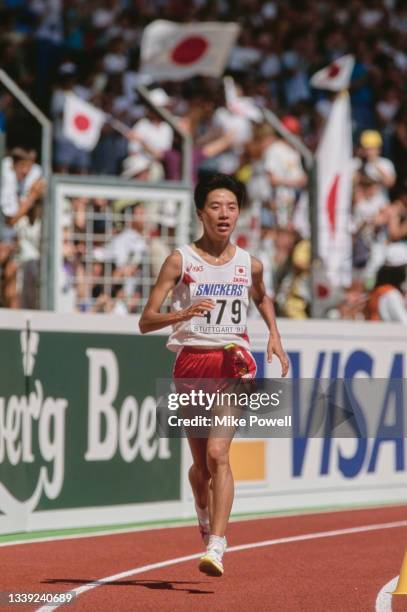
(165, 585)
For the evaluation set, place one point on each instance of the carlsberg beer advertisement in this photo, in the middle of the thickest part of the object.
(77, 426)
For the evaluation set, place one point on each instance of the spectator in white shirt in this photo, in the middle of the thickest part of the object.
(22, 186)
(368, 225)
(129, 245)
(285, 172)
(29, 254)
(369, 162)
(127, 251)
(151, 135)
(223, 143)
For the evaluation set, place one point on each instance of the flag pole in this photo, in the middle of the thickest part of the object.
(312, 172)
(117, 125)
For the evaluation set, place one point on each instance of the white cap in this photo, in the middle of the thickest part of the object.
(135, 164)
(159, 97)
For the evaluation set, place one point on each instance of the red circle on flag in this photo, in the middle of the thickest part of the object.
(242, 241)
(81, 122)
(333, 71)
(322, 291)
(189, 50)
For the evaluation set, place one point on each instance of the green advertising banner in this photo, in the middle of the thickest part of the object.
(78, 423)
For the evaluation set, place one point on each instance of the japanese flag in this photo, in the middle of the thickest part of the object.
(174, 52)
(82, 122)
(336, 76)
(240, 270)
(334, 171)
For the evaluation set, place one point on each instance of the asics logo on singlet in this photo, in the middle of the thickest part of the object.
(219, 289)
(194, 268)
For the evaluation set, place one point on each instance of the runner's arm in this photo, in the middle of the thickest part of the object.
(264, 305)
(151, 318)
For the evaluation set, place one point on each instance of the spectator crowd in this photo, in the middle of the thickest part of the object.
(50, 47)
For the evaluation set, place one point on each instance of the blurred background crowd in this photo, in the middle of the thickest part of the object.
(92, 48)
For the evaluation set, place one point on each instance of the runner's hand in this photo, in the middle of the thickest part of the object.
(274, 347)
(197, 310)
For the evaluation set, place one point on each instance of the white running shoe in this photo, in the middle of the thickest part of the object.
(203, 520)
(211, 563)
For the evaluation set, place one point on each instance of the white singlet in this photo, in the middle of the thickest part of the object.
(227, 285)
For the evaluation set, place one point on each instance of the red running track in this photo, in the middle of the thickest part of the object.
(343, 573)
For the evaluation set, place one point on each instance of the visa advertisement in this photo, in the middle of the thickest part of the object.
(308, 471)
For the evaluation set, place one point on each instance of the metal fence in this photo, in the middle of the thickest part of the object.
(108, 240)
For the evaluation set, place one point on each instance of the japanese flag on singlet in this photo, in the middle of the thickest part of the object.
(228, 285)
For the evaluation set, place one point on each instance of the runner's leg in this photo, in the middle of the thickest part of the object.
(198, 472)
(199, 480)
(222, 484)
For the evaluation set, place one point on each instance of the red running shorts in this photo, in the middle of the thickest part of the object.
(225, 363)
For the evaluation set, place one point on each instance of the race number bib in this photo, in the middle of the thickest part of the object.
(229, 314)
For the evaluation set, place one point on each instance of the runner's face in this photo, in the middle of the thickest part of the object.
(220, 213)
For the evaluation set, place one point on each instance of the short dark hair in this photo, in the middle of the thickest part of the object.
(218, 181)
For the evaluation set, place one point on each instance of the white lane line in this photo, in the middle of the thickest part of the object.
(383, 599)
(287, 540)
